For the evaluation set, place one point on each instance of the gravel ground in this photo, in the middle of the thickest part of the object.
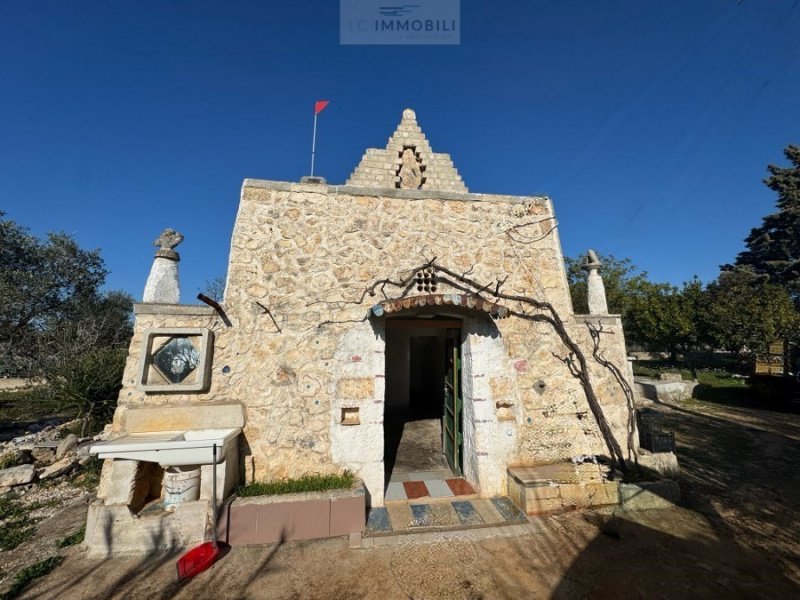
(737, 536)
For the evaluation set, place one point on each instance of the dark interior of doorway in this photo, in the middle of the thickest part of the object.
(416, 367)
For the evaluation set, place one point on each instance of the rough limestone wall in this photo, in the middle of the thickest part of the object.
(555, 422)
(306, 253)
(222, 387)
(607, 388)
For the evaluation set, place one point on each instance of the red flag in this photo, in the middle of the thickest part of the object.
(320, 106)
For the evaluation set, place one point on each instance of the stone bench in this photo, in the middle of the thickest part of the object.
(561, 486)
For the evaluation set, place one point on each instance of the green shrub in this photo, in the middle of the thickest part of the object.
(306, 483)
(89, 383)
(74, 538)
(10, 459)
(28, 574)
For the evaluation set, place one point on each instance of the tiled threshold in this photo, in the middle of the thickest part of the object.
(400, 518)
(423, 485)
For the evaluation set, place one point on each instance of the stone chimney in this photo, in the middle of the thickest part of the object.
(163, 285)
(596, 290)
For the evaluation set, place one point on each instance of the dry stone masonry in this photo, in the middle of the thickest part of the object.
(319, 276)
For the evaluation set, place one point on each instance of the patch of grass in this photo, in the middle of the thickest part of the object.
(28, 574)
(74, 538)
(15, 533)
(10, 508)
(17, 527)
(306, 483)
(89, 475)
(644, 370)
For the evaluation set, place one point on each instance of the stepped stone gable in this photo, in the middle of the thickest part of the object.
(392, 167)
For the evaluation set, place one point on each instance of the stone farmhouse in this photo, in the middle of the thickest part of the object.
(356, 315)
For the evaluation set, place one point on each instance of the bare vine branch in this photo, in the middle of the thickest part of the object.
(269, 312)
(595, 332)
(544, 312)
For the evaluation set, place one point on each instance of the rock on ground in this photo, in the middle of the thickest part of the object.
(17, 475)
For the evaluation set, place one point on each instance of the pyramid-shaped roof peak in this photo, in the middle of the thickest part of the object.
(407, 162)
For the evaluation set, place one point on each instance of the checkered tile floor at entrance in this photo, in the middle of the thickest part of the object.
(426, 484)
(437, 500)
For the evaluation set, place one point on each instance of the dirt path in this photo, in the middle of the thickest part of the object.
(736, 538)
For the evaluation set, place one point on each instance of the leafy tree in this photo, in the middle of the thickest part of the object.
(773, 249)
(746, 312)
(663, 317)
(55, 323)
(40, 282)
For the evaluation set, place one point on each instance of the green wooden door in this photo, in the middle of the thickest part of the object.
(452, 437)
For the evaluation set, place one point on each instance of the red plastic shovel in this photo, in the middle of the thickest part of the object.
(201, 557)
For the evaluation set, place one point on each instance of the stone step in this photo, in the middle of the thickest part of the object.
(401, 518)
(558, 487)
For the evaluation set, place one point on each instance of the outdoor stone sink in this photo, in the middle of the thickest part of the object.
(170, 448)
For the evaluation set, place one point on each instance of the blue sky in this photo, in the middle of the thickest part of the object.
(649, 123)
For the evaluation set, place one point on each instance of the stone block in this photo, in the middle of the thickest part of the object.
(57, 468)
(68, 444)
(502, 388)
(573, 495)
(179, 418)
(604, 493)
(355, 388)
(542, 492)
(121, 482)
(543, 505)
(19, 475)
(115, 531)
(649, 495)
(663, 463)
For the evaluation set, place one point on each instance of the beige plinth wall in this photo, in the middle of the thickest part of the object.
(301, 346)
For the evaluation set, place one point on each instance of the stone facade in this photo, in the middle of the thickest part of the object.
(305, 355)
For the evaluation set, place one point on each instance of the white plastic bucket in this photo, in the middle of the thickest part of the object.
(181, 484)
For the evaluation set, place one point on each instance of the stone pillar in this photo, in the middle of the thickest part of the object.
(596, 290)
(163, 285)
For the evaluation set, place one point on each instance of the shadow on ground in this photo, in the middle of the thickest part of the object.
(736, 537)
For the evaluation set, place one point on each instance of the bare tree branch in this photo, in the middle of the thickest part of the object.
(543, 312)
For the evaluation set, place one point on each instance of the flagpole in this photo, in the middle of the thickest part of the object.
(314, 143)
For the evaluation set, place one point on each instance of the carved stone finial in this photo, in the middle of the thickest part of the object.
(409, 115)
(166, 243)
(596, 289)
(163, 284)
(591, 261)
(410, 171)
